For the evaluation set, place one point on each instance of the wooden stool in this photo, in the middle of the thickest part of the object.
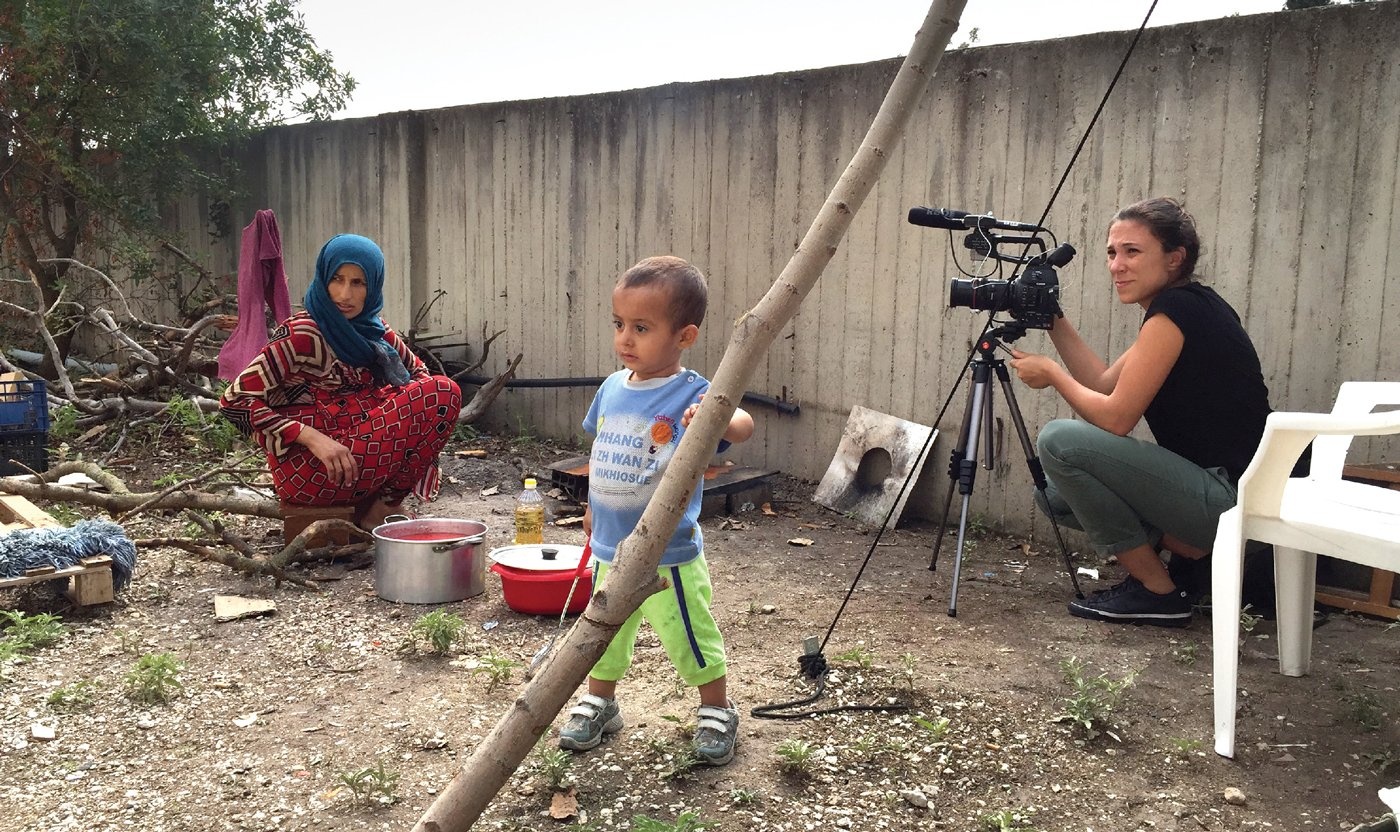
(295, 519)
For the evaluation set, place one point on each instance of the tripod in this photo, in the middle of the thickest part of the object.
(977, 425)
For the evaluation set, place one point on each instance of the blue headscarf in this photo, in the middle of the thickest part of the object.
(358, 341)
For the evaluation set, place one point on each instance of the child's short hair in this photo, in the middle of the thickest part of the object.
(688, 291)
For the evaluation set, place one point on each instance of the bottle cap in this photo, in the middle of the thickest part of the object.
(530, 482)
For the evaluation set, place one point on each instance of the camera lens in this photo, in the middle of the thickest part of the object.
(961, 293)
(978, 294)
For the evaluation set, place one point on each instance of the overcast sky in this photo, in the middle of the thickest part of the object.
(423, 54)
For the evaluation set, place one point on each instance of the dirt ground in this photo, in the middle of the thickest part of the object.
(314, 717)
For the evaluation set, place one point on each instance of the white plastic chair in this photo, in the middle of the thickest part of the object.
(1302, 517)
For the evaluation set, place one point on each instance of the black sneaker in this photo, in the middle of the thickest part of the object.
(1132, 603)
(1192, 576)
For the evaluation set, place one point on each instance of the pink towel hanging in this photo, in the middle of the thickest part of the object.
(262, 282)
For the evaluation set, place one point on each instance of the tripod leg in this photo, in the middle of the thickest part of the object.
(957, 561)
(955, 464)
(967, 468)
(989, 448)
(1037, 471)
(942, 526)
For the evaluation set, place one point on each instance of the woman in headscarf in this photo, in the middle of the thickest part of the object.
(345, 411)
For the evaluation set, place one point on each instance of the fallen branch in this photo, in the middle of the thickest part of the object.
(116, 503)
(199, 267)
(487, 393)
(275, 565)
(157, 542)
(104, 321)
(103, 410)
(215, 527)
(256, 567)
(297, 549)
(182, 358)
(97, 473)
(49, 344)
(485, 352)
(207, 475)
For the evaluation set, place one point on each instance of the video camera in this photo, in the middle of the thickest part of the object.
(1032, 297)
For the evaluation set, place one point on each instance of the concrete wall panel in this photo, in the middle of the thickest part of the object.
(1278, 131)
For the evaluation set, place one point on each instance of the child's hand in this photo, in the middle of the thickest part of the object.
(689, 413)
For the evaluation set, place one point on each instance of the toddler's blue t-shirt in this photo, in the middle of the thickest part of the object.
(636, 428)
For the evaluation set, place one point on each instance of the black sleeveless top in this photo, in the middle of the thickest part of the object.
(1212, 406)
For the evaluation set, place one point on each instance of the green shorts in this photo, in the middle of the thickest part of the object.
(680, 615)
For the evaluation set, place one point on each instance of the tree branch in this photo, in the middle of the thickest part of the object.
(37, 319)
(114, 504)
(487, 393)
(496, 757)
(207, 475)
(250, 566)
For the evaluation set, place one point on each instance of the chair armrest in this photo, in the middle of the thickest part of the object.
(1286, 434)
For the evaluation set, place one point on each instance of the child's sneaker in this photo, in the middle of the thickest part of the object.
(589, 720)
(716, 734)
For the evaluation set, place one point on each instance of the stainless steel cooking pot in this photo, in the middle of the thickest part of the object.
(431, 560)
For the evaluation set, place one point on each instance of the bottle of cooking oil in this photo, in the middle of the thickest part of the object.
(529, 515)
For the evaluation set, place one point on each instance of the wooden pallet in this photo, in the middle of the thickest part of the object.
(16, 512)
(90, 582)
(1378, 598)
(727, 488)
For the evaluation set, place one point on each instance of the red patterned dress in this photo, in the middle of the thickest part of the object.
(394, 433)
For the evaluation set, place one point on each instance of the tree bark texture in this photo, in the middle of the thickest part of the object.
(634, 576)
(118, 502)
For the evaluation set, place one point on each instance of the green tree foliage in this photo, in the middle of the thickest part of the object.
(108, 109)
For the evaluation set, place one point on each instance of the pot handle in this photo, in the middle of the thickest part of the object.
(449, 545)
(395, 518)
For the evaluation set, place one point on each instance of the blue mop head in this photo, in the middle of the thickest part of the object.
(61, 548)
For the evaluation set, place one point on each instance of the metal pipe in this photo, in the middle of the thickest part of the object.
(780, 405)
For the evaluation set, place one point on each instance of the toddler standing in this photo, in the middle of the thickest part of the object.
(636, 420)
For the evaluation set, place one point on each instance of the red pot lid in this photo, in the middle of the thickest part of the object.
(535, 557)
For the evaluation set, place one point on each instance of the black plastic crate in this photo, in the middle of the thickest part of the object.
(27, 447)
(24, 406)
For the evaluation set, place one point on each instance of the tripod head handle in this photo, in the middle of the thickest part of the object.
(1009, 331)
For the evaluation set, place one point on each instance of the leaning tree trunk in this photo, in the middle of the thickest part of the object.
(634, 576)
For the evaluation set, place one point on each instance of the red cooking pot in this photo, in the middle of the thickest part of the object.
(535, 578)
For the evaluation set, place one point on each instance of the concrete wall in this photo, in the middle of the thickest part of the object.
(1279, 131)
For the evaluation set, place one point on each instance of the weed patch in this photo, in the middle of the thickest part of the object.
(155, 679)
(1093, 699)
(439, 629)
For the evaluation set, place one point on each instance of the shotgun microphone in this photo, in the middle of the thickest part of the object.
(955, 220)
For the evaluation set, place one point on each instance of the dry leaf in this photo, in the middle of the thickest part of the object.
(564, 805)
(767, 509)
(491, 492)
(801, 541)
